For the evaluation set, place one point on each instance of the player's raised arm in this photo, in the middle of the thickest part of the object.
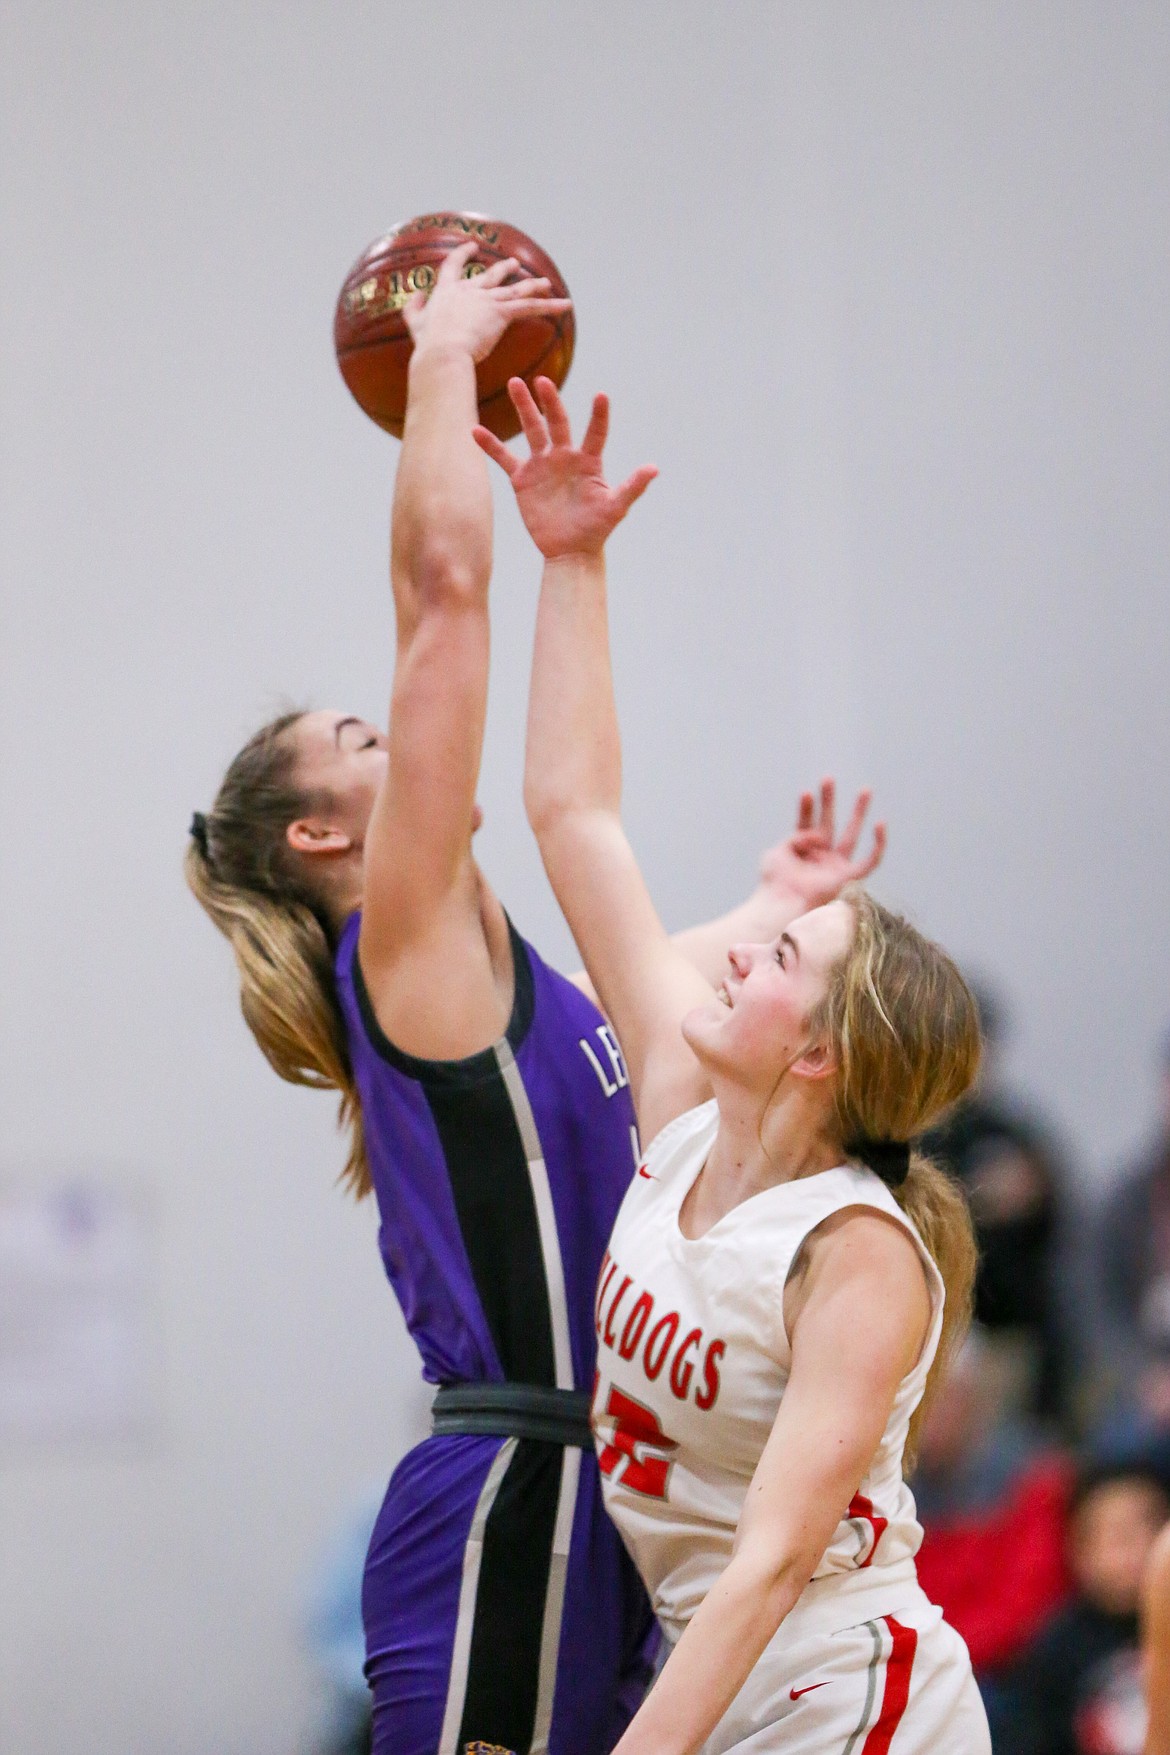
(423, 944)
(573, 771)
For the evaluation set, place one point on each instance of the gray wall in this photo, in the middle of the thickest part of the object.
(882, 289)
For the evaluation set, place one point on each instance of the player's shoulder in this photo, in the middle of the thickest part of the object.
(862, 1232)
(863, 1251)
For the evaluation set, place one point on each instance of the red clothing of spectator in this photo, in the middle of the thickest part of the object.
(999, 1573)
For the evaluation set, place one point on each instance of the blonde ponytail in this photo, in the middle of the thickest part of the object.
(904, 1027)
(241, 870)
(937, 1208)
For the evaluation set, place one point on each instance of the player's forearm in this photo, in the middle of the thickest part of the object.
(573, 760)
(442, 518)
(714, 1658)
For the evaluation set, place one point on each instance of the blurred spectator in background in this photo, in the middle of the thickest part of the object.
(992, 1493)
(337, 1638)
(1133, 1257)
(1018, 1192)
(1078, 1691)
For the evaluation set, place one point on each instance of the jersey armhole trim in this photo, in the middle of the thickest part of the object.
(936, 1290)
(674, 1125)
(472, 1069)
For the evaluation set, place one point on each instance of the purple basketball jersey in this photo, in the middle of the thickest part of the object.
(498, 1178)
(501, 1609)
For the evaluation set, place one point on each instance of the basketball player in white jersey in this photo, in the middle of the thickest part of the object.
(785, 1276)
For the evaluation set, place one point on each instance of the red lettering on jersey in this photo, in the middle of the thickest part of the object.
(608, 1336)
(705, 1397)
(680, 1374)
(667, 1325)
(608, 1270)
(635, 1322)
(637, 1435)
(862, 1509)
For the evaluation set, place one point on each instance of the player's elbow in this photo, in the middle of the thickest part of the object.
(571, 786)
(447, 572)
(546, 804)
(773, 1570)
(566, 813)
(552, 810)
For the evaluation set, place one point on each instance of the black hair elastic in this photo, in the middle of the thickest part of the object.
(889, 1159)
(198, 831)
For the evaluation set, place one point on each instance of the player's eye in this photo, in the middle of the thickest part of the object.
(780, 955)
(370, 743)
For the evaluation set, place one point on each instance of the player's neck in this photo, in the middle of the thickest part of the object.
(753, 1152)
(344, 896)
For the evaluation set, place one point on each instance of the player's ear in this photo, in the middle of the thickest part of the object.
(313, 835)
(816, 1062)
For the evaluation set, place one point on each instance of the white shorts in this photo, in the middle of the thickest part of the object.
(899, 1683)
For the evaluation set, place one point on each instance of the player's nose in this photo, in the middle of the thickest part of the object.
(740, 958)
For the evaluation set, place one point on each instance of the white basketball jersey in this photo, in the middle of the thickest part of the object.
(692, 1362)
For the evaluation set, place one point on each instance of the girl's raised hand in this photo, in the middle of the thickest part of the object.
(561, 491)
(814, 864)
(472, 314)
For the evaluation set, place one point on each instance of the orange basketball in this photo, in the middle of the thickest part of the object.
(373, 343)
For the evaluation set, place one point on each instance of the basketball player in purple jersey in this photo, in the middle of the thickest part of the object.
(489, 1108)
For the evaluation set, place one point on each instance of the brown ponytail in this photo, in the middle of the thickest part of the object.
(904, 1026)
(241, 869)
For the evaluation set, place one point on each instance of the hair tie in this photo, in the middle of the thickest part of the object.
(198, 831)
(889, 1159)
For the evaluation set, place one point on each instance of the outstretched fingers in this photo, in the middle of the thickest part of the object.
(498, 273)
(554, 412)
(531, 419)
(525, 287)
(852, 833)
(634, 487)
(828, 807)
(529, 307)
(530, 297)
(865, 866)
(496, 450)
(597, 432)
(455, 261)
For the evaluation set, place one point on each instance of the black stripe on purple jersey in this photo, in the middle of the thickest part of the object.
(489, 1176)
(503, 1672)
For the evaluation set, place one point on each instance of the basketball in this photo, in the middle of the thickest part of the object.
(374, 345)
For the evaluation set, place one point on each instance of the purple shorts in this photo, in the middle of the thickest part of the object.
(502, 1612)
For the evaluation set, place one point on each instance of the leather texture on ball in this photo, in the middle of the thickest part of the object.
(373, 343)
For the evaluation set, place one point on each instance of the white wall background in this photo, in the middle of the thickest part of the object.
(884, 292)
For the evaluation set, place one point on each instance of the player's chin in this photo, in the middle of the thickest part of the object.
(476, 818)
(702, 1024)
